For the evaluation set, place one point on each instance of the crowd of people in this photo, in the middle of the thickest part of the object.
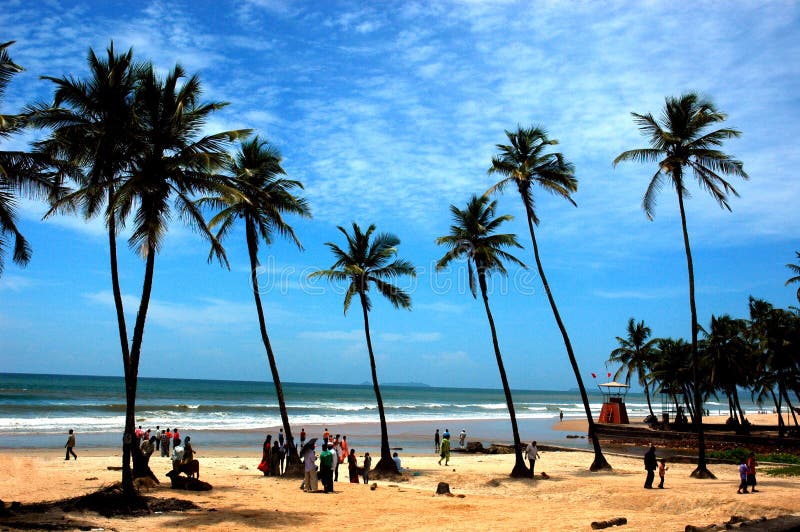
(334, 451)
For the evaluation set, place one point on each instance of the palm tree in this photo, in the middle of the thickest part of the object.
(635, 356)
(362, 264)
(19, 172)
(93, 128)
(724, 357)
(264, 196)
(472, 236)
(795, 268)
(169, 164)
(524, 162)
(671, 366)
(679, 142)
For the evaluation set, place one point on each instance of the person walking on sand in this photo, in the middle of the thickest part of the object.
(336, 449)
(158, 437)
(532, 453)
(367, 465)
(462, 438)
(650, 466)
(345, 448)
(444, 452)
(662, 470)
(751, 472)
(70, 445)
(302, 436)
(561, 415)
(742, 478)
(436, 440)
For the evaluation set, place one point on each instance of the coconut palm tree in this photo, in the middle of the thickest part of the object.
(263, 197)
(635, 356)
(92, 125)
(170, 165)
(725, 357)
(473, 236)
(525, 162)
(364, 264)
(680, 142)
(795, 268)
(19, 172)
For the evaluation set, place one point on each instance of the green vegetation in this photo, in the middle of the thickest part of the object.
(787, 471)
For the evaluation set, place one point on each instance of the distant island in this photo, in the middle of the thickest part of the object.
(405, 384)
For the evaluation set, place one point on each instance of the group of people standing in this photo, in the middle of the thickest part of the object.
(334, 452)
(273, 456)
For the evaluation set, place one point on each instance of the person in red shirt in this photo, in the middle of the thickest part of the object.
(175, 437)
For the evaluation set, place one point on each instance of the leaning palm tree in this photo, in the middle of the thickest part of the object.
(473, 236)
(795, 268)
(680, 142)
(634, 355)
(19, 172)
(361, 265)
(524, 162)
(262, 198)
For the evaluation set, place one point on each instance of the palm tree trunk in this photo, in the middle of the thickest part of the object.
(292, 458)
(520, 469)
(386, 463)
(127, 476)
(782, 389)
(736, 402)
(132, 370)
(777, 401)
(701, 471)
(649, 404)
(600, 461)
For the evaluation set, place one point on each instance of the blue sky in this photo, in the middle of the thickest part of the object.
(389, 112)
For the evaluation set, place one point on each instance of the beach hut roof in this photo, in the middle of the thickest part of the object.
(615, 384)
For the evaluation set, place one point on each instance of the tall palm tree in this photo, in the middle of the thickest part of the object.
(19, 172)
(525, 162)
(679, 142)
(473, 236)
(92, 125)
(795, 268)
(361, 265)
(634, 355)
(170, 164)
(263, 197)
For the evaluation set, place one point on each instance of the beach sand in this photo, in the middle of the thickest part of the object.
(573, 497)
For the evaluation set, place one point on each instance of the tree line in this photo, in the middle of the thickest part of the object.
(125, 144)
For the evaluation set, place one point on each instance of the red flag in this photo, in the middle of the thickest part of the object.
(593, 375)
(609, 374)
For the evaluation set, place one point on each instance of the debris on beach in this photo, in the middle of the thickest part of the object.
(783, 523)
(443, 488)
(616, 521)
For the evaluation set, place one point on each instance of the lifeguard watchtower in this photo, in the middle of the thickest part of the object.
(614, 410)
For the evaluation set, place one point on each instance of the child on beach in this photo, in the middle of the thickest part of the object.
(367, 465)
(70, 444)
(662, 468)
(742, 478)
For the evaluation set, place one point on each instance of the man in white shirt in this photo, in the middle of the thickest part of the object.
(177, 454)
(532, 453)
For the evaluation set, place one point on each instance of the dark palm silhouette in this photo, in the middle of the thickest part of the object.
(473, 236)
(795, 268)
(19, 172)
(635, 357)
(680, 142)
(262, 198)
(130, 141)
(362, 264)
(524, 162)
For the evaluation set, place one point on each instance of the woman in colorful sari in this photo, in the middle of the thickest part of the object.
(352, 466)
(264, 465)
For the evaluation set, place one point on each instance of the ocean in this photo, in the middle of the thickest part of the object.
(37, 410)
